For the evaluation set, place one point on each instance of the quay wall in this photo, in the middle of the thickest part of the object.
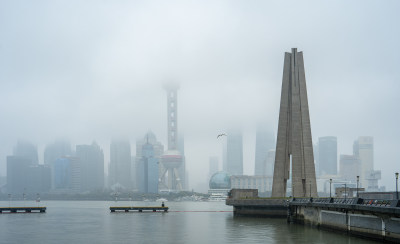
(376, 222)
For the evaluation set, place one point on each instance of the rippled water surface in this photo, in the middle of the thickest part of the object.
(187, 222)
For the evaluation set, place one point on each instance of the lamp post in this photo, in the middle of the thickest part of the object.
(397, 190)
(345, 193)
(358, 179)
(330, 188)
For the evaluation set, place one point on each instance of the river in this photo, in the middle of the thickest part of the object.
(186, 222)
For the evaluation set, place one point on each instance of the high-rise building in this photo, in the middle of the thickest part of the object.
(147, 170)
(327, 149)
(120, 165)
(158, 149)
(224, 156)
(349, 167)
(17, 170)
(92, 166)
(264, 142)
(182, 169)
(234, 154)
(268, 169)
(213, 166)
(294, 141)
(39, 179)
(24, 174)
(363, 148)
(26, 150)
(58, 149)
(67, 174)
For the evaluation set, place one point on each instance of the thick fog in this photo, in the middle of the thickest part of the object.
(94, 70)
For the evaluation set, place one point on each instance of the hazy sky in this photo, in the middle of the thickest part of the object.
(93, 70)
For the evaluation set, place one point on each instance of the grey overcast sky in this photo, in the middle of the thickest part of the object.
(93, 70)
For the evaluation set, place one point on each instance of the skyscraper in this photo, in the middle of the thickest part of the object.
(120, 165)
(147, 170)
(24, 174)
(327, 148)
(17, 171)
(268, 169)
(158, 149)
(58, 149)
(264, 142)
(234, 155)
(363, 148)
(294, 141)
(67, 174)
(92, 166)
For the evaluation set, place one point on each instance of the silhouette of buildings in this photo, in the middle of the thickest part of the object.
(91, 158)
(24, 174)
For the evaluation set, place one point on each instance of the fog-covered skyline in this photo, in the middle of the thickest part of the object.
(94, 70)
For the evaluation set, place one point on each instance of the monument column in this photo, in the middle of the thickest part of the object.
(294, 142)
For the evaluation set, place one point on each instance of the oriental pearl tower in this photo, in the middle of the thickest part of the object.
(172, 159)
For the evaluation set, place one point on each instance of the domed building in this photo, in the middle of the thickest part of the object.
(220, 185)
(220, 180)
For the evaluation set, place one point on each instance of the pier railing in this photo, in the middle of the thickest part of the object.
(350, 201)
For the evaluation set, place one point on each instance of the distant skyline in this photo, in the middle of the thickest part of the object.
(93, 71)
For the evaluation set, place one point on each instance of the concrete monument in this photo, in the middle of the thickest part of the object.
(294, 143)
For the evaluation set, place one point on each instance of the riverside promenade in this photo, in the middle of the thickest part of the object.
(369, 218)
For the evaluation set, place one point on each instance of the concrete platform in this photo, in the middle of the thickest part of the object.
(139, 209)
(271, 208)
(22, 209)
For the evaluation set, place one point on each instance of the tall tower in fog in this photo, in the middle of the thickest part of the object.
(172, 160)
(91, 158)
(234, 152)
(294, 141)
(363, 148)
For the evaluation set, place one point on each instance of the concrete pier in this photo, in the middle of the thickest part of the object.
(139, 209)
(377, 219)
(22, 209)
(370, 218)
(246, 202)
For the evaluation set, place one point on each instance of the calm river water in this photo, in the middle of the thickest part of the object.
(187, 222)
